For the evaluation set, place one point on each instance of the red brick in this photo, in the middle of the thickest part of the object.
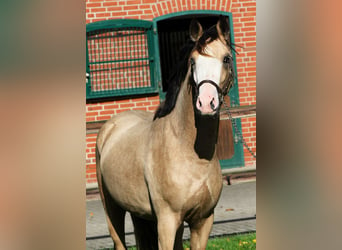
(249, 23)
(133, 2)
(249, 4)
(91, 113)
(151, 108)
(114, 9)
(139, 104)
(91, 145)
(146, 17)
(145, 6)
(115, 106)
(130, 7)
(92, 108)
(236, 5)
(90, 119)
(250, 33)
(134, 12)
(91, 166)
(243, 94)
(91, 139)
(104, 117)
(126, 105)
(154, 98)
(247, 19)
(113, 3)
(90, 171)
(119, 14)
(98, 9)
(249, 14)
(107, 112)
(248, 29)
(251, 69)
(103, 14)
(248, 39)
(160, 10)
(92, 5)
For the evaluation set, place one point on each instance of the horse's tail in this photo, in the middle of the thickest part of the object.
(146, 234)
(99, 174)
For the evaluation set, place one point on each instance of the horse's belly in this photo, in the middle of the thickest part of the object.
(126, 185)
(122, 163)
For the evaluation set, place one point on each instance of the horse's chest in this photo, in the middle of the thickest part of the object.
(202, 201)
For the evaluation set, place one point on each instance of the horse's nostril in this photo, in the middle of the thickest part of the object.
(200, 103)
(212, 105)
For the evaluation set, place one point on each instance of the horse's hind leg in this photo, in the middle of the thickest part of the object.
(146, 235)
(115, 215)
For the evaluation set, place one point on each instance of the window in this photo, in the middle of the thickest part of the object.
(120, 58)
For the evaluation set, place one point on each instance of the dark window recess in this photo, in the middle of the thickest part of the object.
(173, 33)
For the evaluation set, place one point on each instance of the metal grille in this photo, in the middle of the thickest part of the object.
(119, 61)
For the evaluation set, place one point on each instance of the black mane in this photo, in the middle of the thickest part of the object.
(175, 81)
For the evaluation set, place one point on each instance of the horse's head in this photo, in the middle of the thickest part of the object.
(211, 62)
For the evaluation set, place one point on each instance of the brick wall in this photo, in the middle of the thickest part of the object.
(244, 21)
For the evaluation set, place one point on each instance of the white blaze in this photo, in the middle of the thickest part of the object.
(207, 68)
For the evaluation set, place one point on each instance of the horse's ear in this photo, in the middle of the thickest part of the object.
(222, 27)
(196, 30)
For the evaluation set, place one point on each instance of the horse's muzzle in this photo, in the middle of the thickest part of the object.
(208, 98)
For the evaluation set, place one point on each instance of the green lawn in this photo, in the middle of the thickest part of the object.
(236, 242)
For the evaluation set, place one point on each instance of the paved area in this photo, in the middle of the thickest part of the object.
(234, 213)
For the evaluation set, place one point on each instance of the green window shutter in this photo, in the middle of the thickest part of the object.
(120, 58)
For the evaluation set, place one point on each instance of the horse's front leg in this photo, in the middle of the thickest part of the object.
(200, 231)
(168, 224)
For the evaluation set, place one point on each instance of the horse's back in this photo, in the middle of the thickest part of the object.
(121, 123)
(122, 143)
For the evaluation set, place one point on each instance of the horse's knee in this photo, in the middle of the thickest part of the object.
(169, 230)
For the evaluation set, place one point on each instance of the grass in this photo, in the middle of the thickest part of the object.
(235, 242)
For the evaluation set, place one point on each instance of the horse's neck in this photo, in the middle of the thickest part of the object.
(182, 117)
(197, 131)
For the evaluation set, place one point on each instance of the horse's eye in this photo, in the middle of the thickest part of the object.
(226, 59)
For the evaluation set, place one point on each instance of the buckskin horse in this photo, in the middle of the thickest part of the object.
(162, 168)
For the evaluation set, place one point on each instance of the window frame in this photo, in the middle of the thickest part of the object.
(123, 24)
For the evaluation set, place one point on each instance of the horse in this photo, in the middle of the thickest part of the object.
(162, 168)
